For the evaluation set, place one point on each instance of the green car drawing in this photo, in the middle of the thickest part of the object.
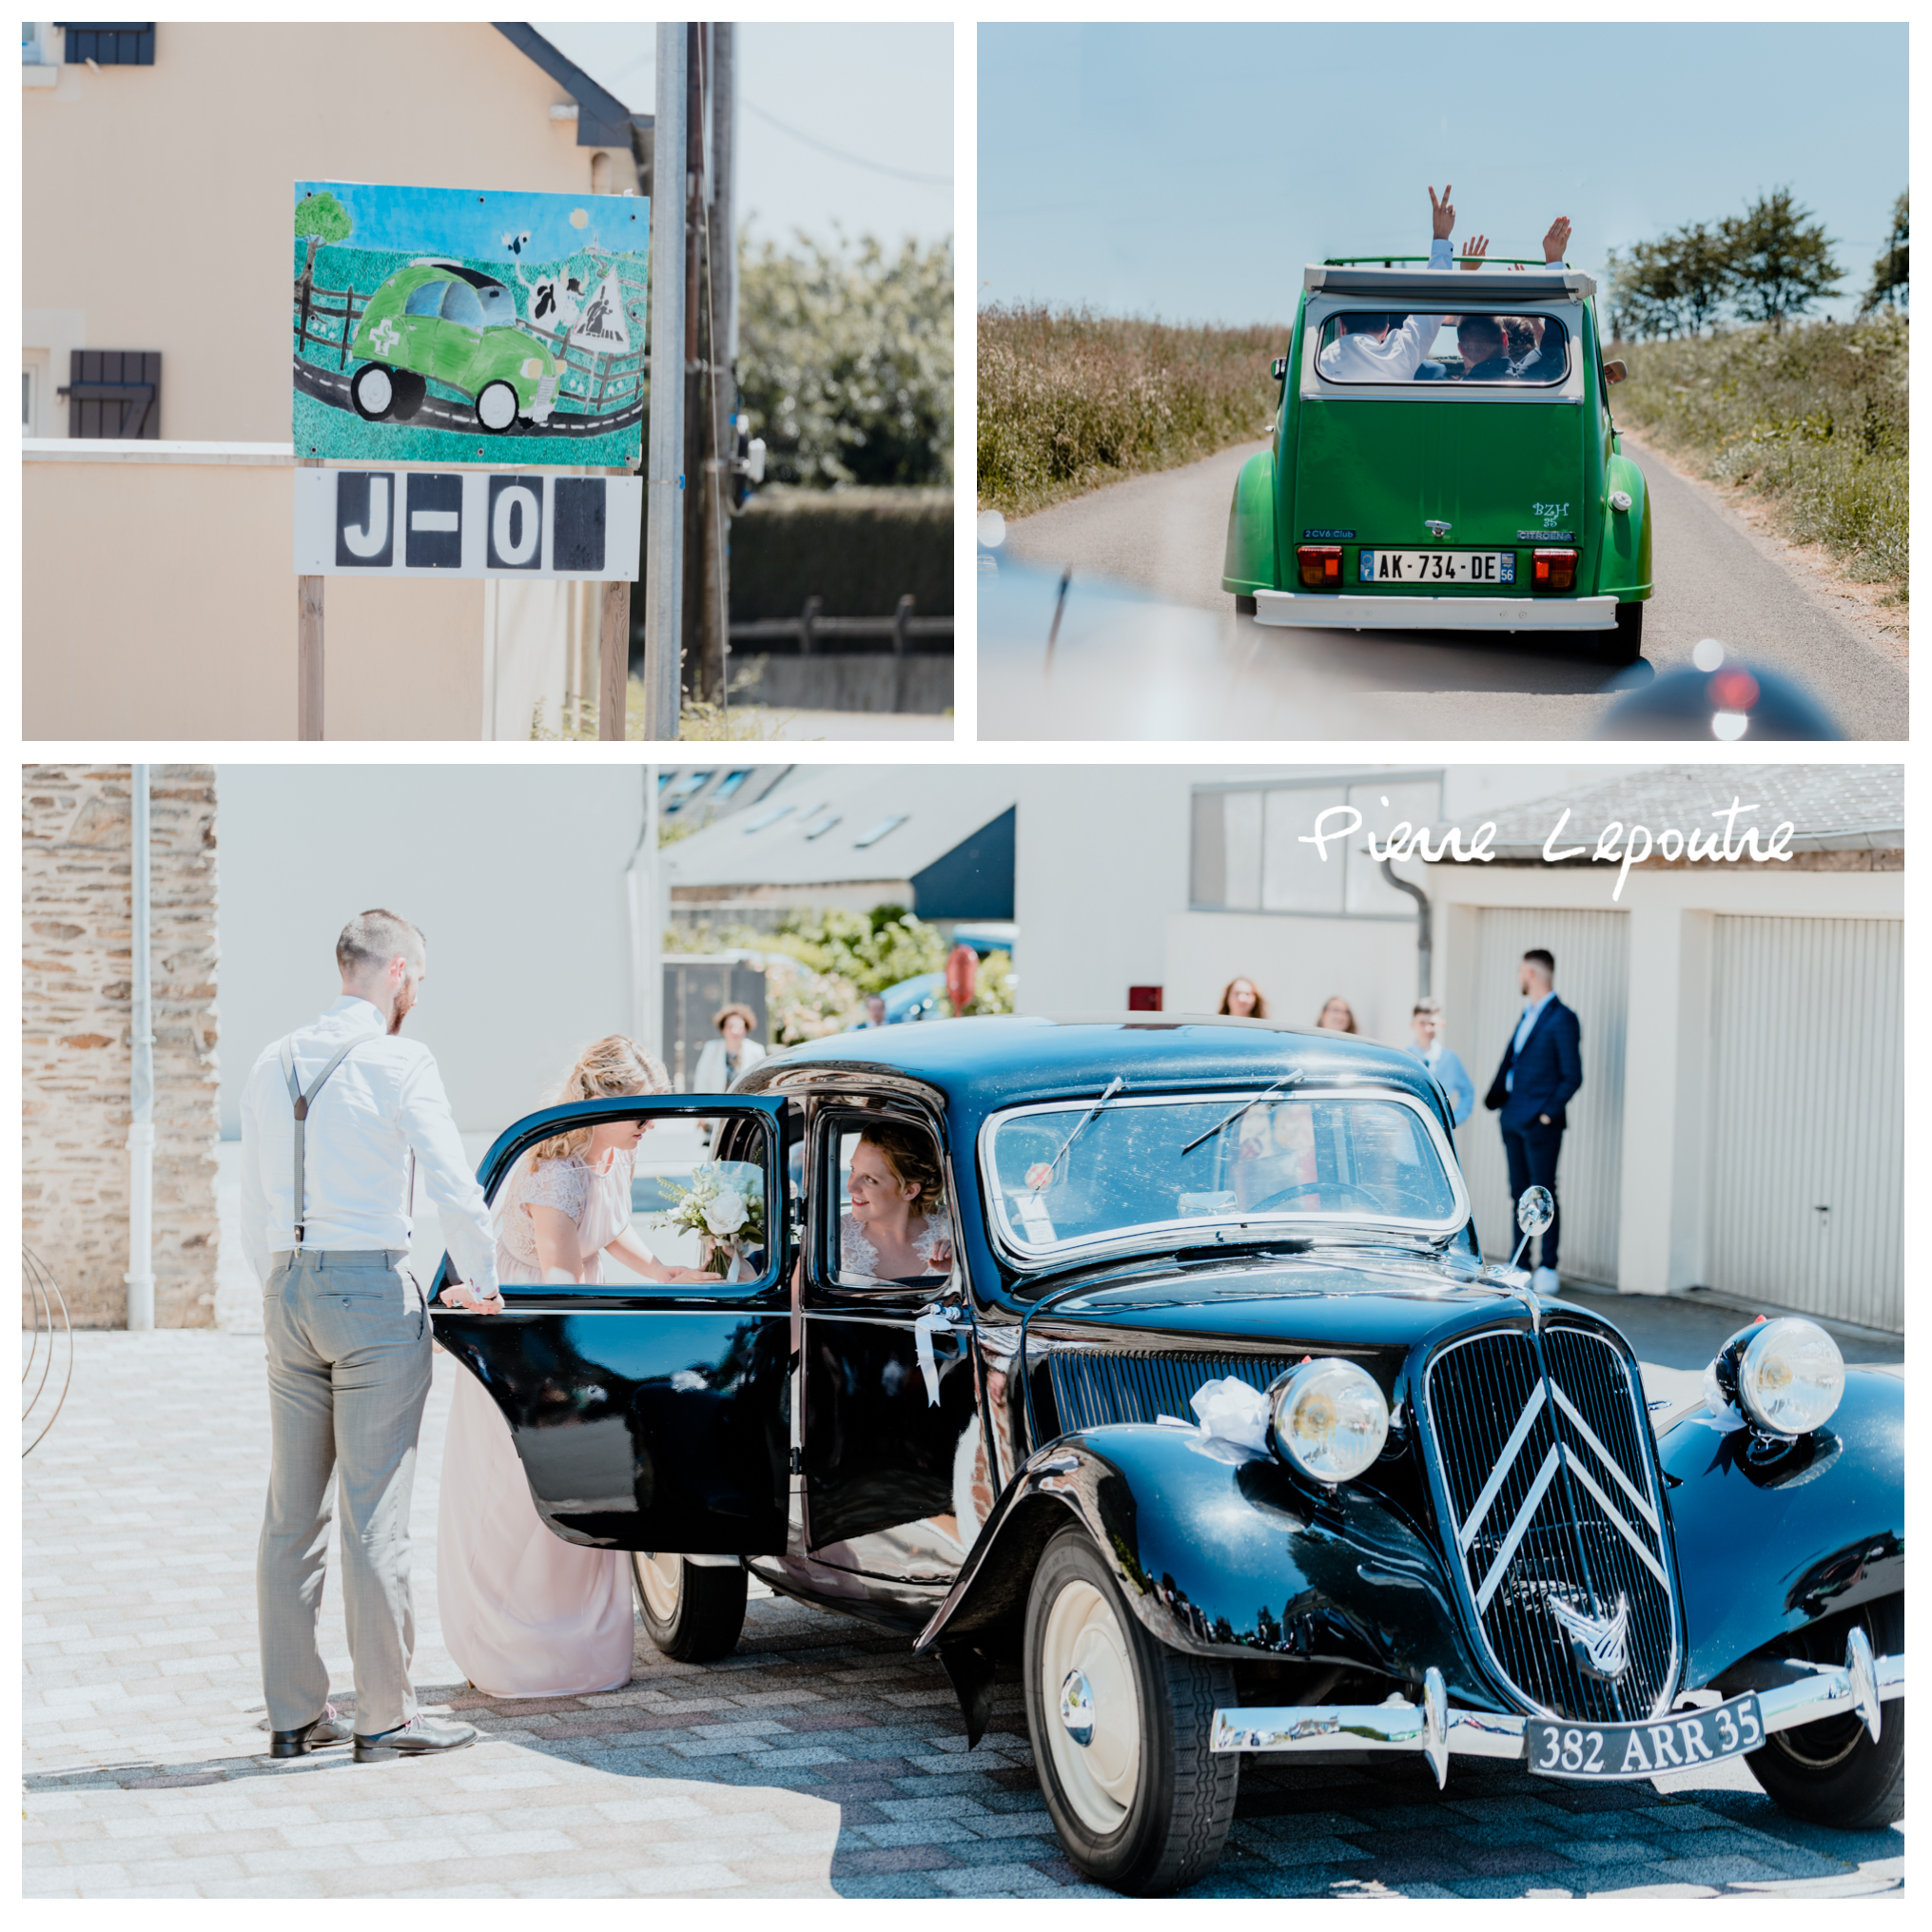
(456, 325)
(1444, 459)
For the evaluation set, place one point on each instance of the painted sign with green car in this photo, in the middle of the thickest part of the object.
(440, 324)
(1472, 481)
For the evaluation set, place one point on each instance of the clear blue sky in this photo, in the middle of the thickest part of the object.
(881, 96)
(1189, 172)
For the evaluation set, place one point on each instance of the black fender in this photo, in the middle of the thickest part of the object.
(1767, 1543)
(1219, 1558)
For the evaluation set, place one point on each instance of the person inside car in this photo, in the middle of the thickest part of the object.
(1484, 348)
(1389, 348)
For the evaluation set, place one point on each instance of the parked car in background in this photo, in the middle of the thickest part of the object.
(1210, 1416)
(1473, 495)
(440, 322)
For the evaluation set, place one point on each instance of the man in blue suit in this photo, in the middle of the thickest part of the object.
(1541, 1071)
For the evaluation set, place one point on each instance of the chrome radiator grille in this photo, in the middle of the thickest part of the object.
(1090, 1388)
(1554, 1519)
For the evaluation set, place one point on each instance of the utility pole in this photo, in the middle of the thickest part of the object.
(695, 351)
(140, 1276)
(664, 482)
(721, 352)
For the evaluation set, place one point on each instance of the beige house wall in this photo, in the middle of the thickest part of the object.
(184, 628)
(157, 206)
(76, 975)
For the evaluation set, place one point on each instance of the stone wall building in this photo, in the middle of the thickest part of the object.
(76, 1050)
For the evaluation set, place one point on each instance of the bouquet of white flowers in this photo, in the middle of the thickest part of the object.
(725, 1210)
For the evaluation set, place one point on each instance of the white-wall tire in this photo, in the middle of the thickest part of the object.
(691, 1611)
(1120, 1724)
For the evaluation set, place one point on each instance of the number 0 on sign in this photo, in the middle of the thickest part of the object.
(397, 522)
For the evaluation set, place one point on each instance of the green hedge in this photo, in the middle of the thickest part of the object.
(858, 550)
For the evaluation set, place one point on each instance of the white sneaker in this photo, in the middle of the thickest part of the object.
(1544, 1281)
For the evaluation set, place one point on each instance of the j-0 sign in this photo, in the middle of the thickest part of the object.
(397, 522)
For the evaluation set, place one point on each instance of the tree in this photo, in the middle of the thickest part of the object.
(321, 217)
(1891, 273)
(846, 361)
(1780, 262)
(1647, 294)
(1702, 271)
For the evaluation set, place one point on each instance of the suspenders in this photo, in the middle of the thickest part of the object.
(302, 1103)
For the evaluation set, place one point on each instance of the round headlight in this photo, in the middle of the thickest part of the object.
(1331, 1419)
(1790, 1376)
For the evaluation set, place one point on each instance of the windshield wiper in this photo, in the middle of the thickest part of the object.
(1287, 1079)
(1080, 1127)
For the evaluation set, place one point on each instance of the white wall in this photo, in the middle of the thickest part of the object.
(1100, 866)
(1101, 893)
(516, 874)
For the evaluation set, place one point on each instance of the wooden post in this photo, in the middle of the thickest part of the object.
(309, 649)
(614, 655)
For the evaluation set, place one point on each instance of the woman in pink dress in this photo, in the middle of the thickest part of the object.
(524, 1613)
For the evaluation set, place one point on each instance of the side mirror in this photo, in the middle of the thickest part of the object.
(1614, 372)
(1535, 1211)
(1278, 368)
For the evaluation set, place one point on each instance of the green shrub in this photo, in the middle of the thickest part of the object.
(857, 550)
(1070, 400)
(844, 359)
(1816, 418)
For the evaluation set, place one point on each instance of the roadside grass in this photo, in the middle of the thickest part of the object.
(1070, 400)
(1815, 419)
(742, 724)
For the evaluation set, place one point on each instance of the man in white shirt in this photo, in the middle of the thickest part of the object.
(336, 1119)
(1386, 349)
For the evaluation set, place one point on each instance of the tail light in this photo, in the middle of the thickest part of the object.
(1320, 566)
(1553, 569)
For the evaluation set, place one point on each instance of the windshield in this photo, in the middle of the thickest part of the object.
(1488, 345)
(1321, 1158)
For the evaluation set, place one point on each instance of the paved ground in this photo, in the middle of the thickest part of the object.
(1172, 661)
(820, 1760)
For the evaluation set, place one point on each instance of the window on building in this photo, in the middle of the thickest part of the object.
(109, 42)
(114, 394)
(1255, 845)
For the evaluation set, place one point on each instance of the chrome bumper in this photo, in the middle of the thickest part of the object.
(1333, 611)
(1863, 1684)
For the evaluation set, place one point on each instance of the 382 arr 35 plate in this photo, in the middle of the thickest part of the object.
(1622, 1752)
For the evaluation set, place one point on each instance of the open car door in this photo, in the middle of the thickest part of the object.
(648, 1415)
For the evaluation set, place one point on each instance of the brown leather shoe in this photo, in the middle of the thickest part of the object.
(314, 1736)
(418, 1738)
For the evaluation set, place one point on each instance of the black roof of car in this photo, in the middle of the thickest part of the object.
(979, 1065)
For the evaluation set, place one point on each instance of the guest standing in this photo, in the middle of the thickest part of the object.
(1338, 1016)
(336, 1120)
(1242, 1000)
(1425, 1023)
(525, 1613)
(1541, 1071)
(725, 1058)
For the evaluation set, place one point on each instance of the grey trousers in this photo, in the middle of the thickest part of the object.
(348, 1341)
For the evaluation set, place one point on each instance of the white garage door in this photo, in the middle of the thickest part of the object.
(1592, 950)
(1807, 1142)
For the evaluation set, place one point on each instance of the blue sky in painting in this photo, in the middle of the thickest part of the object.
(439, 221)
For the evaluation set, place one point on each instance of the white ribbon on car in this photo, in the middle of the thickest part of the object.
(1724, 1414)
(935, 1317)
(1233, 1420)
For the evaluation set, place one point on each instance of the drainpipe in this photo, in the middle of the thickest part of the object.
(1424, 946)
(140, 1276)
(644, 878)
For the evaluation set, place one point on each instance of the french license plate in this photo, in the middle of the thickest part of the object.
(1678, 1743)
(1439, 567)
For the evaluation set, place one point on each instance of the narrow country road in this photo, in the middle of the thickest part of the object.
(1162, 536)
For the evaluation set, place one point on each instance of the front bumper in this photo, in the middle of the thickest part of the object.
(1863, 1684)
(1333, 611)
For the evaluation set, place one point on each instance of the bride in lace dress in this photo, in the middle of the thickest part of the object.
(896, 1229)
(524, 1613)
